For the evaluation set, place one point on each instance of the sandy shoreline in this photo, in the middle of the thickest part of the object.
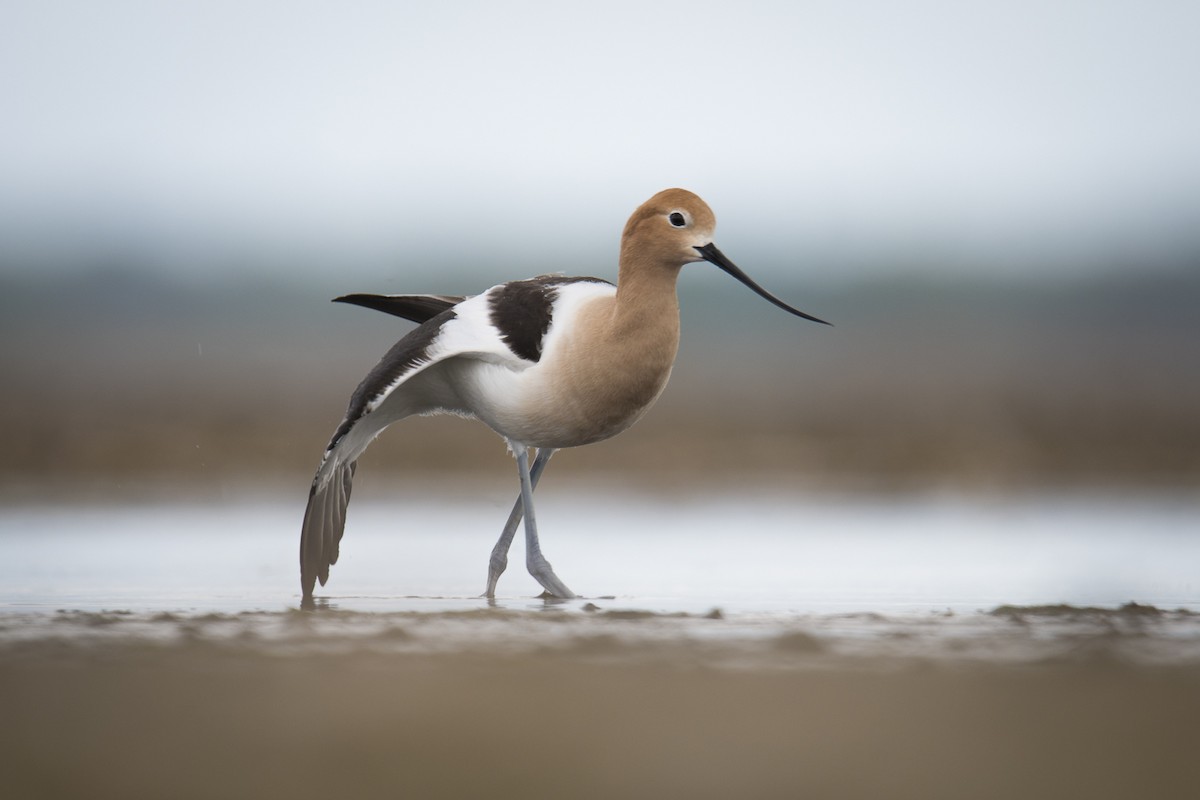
(1024, 703)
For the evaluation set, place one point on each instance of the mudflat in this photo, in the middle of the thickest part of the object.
(1029, 703)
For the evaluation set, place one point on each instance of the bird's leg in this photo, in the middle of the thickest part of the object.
(499, 559)
(535, 562)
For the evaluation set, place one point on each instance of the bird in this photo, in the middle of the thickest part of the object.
(547, 363)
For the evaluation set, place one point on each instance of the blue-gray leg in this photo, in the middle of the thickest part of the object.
(535, 562)
(499, 559)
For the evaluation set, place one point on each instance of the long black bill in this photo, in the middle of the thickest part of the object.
(715, 256)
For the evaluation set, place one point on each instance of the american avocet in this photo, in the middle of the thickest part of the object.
(547, 363)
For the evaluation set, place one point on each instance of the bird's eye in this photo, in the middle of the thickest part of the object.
(677, 219)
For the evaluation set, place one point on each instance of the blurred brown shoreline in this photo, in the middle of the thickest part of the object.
(119, 380)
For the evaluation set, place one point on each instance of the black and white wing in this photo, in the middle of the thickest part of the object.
(392, 390)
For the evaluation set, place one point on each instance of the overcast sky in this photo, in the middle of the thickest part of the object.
(198, 134)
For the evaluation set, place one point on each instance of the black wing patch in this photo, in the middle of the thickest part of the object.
(413, 307)
(405, 354)
(522, 311)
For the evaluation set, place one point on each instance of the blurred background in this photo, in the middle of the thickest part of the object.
(998, 205)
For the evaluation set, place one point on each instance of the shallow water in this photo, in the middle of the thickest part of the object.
(769, 555)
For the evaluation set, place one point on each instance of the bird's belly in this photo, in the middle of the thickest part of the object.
(544, 407)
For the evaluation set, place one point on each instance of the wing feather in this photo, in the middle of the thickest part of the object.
(417, 308)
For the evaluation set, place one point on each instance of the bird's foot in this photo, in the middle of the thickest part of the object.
(495, 570)
(544, 574)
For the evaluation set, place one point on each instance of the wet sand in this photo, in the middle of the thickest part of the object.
(1047, 702)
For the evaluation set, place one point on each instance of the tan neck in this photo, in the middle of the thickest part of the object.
(646, 298)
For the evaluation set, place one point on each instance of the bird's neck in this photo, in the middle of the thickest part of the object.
(646, 303)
